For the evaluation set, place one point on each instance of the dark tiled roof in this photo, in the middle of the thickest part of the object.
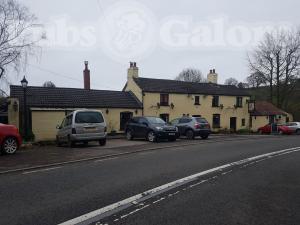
(264, 108)
(181, 87)
(75, 98)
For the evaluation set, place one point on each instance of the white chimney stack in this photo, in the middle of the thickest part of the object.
(133, 71)
(212, 77)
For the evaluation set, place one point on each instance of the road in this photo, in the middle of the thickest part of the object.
(266, 192)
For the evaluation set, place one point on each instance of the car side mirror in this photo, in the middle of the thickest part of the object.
(58, 127)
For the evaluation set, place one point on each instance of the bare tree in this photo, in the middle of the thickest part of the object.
(276, 62)
(16, 35)
(231, 81)
(191, 75)
(256, 80)
(49, 84)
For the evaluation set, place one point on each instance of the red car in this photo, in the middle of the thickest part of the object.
(281, 129)
(10, 139)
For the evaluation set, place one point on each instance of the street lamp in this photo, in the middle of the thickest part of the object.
(24, 84)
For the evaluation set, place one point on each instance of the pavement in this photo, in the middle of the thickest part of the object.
(251, 195)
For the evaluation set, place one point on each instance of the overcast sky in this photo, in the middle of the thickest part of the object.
(162, 36)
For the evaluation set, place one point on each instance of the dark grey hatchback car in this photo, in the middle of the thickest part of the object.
(150, 128)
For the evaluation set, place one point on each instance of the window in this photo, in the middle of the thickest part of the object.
(243, 122)
(175, 122)
(197, 100)
(68, 120)
(215, 101)
(164, 99)
(89, 117)
(201, 120)
(155, 120)
(216, 121)
(239, 102)
(185, 120)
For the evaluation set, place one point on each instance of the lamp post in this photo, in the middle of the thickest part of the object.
(24, 84)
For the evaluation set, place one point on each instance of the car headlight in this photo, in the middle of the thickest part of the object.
(159, 128)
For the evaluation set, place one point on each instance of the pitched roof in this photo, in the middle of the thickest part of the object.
(182, 87)
(264, 108)
(46, 97)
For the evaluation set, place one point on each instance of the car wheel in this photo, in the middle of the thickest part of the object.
(58, 143)
(86, 143)
(190, 134)
(102, 142)
(129, 135)
(280, 132)
(204, 136)
(71, 143)
(151, 136)
(10, 146)
(260, 131)
(298, 131)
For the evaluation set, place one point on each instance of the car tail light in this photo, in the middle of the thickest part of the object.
(73, 131)
(197, 125)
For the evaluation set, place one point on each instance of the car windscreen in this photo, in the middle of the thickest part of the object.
(154, 120)
(201, 120)
(89, 117)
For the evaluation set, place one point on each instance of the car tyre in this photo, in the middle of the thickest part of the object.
(298, 132)
(151, 136)
(10, 146)
(129, 135)
(102, 142)
(58, 143)
(260, 131)
(280, 132)
(71, 144)
(190, 134)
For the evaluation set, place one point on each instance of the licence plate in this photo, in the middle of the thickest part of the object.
(172, 134)
(90, 128)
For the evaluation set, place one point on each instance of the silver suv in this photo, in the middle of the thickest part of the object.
(192, 127)
(82, 126)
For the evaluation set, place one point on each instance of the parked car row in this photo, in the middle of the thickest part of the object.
(89, 125)
(288, 128)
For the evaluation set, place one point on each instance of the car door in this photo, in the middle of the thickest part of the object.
(183, 125)
(66, 131)
(142, 127)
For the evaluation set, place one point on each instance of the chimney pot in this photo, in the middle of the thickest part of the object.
(214, 71)
(86, 76)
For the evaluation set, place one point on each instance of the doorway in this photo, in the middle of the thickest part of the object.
(233, 124)
(165, 117)
(124, 118)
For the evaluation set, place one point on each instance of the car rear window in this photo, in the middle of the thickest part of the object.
(89, 117)
(201, 120)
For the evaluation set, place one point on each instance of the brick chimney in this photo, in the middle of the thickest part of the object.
(133, 71)
(86, 76)
(212, 77)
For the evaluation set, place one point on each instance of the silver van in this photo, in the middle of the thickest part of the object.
(82, 126)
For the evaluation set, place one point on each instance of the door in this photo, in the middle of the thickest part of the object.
(124, 118)
(233, 124)
(165, 117)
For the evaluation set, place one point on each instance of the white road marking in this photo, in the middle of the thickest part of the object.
(42, 170)
(102, 160)
(166, 187)
(159, 200)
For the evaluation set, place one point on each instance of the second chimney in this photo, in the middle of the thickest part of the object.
(86, 76)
